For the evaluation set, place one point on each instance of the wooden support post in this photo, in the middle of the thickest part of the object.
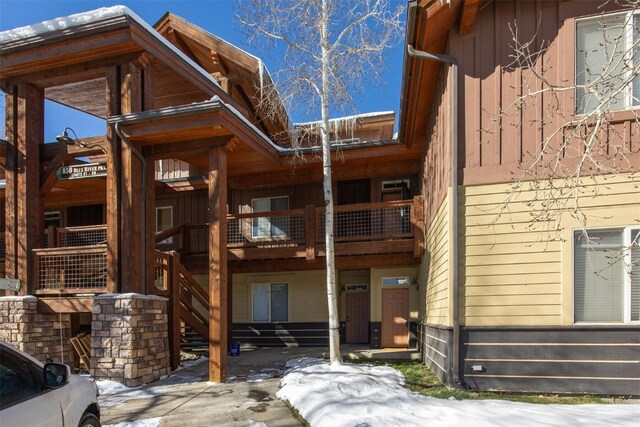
(113, 183)
(217, 215)
(24, 207)
(173, 283)
(150, 222)
(229, 307)
(310, 231)
(131, 188)
(417, 220)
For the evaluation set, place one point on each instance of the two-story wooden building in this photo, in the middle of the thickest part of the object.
(512, 294)
(194, 194)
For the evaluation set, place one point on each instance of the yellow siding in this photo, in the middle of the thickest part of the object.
(307, 295)
(434, 277)
(514, 271)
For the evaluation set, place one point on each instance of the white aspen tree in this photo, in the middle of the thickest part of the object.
(329, 48)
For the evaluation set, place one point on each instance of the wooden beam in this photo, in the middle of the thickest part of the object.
(150, 223)
(171, 150)
(311, 230)
(24, 210)
(49, 176)
(131, 189)
(173, 280)
(113, 183)
(218, 339)
(342, 263)
(468, 18)
(67, 304)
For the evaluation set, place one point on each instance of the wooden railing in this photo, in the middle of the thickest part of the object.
(304, 228)
(69, 270)
(80, 236)
(188, 302)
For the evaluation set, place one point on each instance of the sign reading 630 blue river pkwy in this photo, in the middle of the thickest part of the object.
(90, 170)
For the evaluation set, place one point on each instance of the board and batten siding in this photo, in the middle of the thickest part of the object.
(494, 140)
(515, 272)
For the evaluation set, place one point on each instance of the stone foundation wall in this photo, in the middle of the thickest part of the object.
(37, 334)
(129, 338)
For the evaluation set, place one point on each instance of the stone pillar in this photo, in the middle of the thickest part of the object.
(129, 338)
(38, 334)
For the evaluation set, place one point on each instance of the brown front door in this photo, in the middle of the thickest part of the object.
(357, 318)
(395, 316)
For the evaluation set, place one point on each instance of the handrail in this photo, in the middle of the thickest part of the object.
(263, 214)
(369, 206)
(169, 233)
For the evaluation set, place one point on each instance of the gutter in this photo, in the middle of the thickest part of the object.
(453, 63)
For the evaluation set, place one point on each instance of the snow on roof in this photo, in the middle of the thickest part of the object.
(65, 25)
(346, 118)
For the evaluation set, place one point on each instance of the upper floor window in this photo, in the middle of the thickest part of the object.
(607, 275)
(273, 226)
(607, 63)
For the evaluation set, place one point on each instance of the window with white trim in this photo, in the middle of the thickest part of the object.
(164, 218)
(606, 267)
(270, 302)
(607, 73)
(277, 226)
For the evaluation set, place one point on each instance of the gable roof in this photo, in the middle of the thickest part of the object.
(246, 77)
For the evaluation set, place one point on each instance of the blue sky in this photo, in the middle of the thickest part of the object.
(216, 16)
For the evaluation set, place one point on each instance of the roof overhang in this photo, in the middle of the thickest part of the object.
(428, 26)
(214, 121)
(34, 52)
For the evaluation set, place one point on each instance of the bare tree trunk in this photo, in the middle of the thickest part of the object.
(334, 334)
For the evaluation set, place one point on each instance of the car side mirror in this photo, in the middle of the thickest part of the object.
(55, 374)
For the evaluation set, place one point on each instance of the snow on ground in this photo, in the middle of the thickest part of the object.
(149, 422)
(336, 395)
(113, 393)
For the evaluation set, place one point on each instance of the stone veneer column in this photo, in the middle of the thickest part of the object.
(37, 334)
(129, 338)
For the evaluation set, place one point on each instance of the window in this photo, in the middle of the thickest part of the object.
(271, 302)
(607, 276)
(395, 281)
(17, 382)
(607, 57)
(164, 218)
(270, 226)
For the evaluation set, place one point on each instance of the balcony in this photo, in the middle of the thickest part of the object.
(76, 259)
(362, 229)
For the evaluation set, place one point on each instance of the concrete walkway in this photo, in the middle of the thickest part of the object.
(247, 398)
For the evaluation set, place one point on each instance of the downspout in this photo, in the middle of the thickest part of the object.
(143, 210)
(453, 63)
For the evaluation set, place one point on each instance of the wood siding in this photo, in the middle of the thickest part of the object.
(592, 359)
(306, 291)
(435, 269)
(514, 271)
(495, 141)
(436, 169)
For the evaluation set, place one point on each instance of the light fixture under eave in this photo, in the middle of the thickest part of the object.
(65, 138)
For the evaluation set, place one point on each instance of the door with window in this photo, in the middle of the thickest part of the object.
(270, 227)
(270, 302)
(395, 312)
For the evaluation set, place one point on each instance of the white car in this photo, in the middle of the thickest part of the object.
(32, 394)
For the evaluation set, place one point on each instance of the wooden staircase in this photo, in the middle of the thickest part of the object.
(188, 302)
